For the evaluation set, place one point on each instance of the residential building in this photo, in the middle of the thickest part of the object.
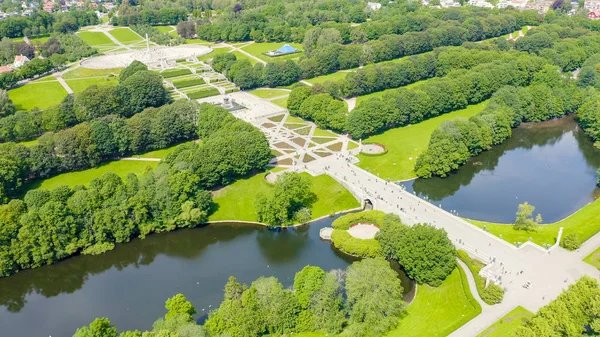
(20, 60)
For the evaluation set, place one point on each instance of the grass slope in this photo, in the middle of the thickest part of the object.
(242, 56)
(82, 72)
(216, 51)
(436, 312)
(406, 143)
(120, 167)
(79, 85)
(236, 201)
(585, 222)
(41, 95)
(506, 325)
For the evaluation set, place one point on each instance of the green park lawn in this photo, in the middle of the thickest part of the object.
(96, 39)
(405, 144)
(39, 40)
(120, 167)
(259, 48)
(82, 72)
(594, 258)
(242, 56)
(380, 94)
(333, 77)
(164, 29)
(506, 325)
(269, 93)
(216, 51)
(79, 85)
(435, 312)
(282, 102)
(125, 35)
(585, 222)
(236, 201)
(42, 95)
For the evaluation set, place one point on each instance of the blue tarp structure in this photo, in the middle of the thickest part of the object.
(287, 49)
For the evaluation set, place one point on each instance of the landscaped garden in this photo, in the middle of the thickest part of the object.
(258, 49)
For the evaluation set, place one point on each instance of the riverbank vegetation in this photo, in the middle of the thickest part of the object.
(288, 203)
(490, 294)
(454, 142)
(580, 226)
(348, 244)
(48, 226)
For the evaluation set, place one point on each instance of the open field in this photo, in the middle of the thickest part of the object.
(162, 153)
(79, 85)
(362, 98)
(282, 102)
(242, 56)
(269, 93)
(82, 72)
(165, 29)
(585, 223)
(333, 77)
(259, 48)
(236, 201)
(96, 39)
(41, 95)
(120, 167)
(125, 35)
(507, 324)
(405, 144)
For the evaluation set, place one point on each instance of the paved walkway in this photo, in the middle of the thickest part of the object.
(472, 284)
(550, 272)
(62, 82)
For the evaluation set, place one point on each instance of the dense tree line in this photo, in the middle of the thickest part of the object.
(364, 300)
(43, 23)
(88, 144)
(248, 76)
(137, 15)
(437, 96)
(373, 303)
(132, 95)
(47, 226)
(589, 73)
(455, 141)
(575, 312)
(588, 117)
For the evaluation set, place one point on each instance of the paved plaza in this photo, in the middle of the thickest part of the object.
(549, 271)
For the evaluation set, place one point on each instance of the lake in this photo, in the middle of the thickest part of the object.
(552, 165)
(130, 284)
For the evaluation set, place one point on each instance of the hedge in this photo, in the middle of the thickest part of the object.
(203, 93)
(188, 83)
(175, 72)
(348, 244)
(492, 294)
(344, 222)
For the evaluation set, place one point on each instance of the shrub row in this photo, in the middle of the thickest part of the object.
(188, 83)
(492, 294)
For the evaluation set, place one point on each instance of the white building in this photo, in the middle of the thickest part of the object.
(374, 6)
